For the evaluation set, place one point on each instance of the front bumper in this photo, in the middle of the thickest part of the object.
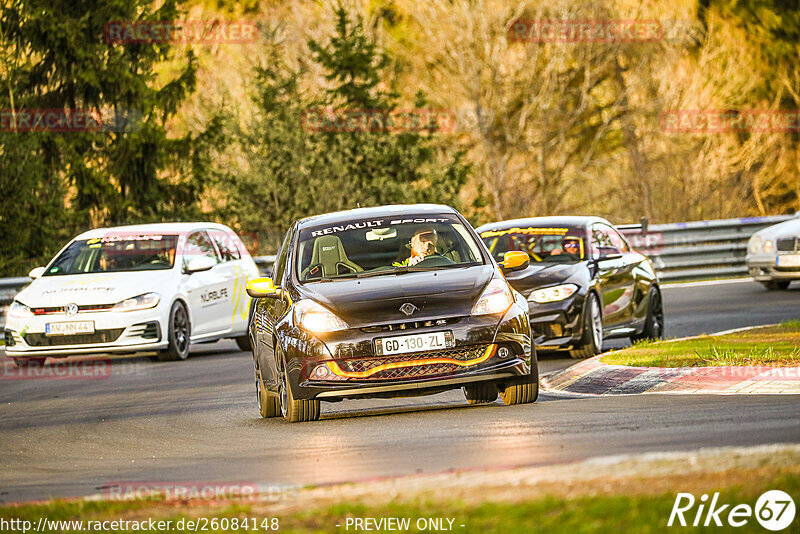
(766, 269)
(115, 332)
(557, 325)
(357, 371)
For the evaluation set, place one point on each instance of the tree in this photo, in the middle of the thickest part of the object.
(295, 171)
(55, 57)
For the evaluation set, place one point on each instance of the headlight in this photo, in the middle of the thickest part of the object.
(496, 298)
(755, 244)
(313, 317)
(768, 247)
(142, 302)
(553, 294)
(19, 310)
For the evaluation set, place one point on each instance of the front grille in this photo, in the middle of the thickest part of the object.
(81, 309)
(433, 367)
(100, 336)
(409, 325)
(788, 244)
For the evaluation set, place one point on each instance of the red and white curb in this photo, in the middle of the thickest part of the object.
(593, 377)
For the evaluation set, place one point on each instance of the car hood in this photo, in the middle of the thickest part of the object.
(370, 301)
(785, 229)
(93, 288)
(543, 275)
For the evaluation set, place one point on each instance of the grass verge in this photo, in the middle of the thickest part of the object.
(632, 504)
(769, 346)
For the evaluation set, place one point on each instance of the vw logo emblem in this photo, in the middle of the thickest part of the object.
(71, 309)
(408, 308)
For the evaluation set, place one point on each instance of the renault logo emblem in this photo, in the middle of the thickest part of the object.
(408, 308)
(71, 309)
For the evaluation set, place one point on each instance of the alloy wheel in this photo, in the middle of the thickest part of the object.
(597, 324)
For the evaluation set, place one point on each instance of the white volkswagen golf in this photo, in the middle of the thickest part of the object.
(153, 287)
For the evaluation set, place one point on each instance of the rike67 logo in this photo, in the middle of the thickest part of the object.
(774, 510)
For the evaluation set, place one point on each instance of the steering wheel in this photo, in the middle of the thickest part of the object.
(435, 260)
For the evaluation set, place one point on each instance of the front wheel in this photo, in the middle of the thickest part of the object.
(481, 393)
(523, 390)
(776, 285)
(654, 323)
(591, 342)
(178, 334)
(295, 411)
(267, 404)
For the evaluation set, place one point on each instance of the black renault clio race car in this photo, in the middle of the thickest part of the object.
(584, 282)
(384, 302)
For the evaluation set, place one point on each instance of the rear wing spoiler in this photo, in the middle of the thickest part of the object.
(641, 227)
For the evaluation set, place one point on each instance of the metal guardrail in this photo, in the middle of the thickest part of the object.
(702, 249)
(265, 264)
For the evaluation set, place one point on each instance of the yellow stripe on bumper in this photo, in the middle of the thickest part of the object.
(488, 353)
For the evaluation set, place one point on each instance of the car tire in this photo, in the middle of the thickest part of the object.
(481, 393)
(243, 342)
(591, 342)
(267, 404)
(654, 323)
(179, 330)
(776, 285)
(295, 410)
(30, 362)
(523, 390)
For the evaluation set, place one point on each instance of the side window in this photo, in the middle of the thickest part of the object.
(226, 245)
(619, 241)
(280, 261)
(604, 236)
(199, 244)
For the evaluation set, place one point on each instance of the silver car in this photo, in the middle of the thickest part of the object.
(773, 254)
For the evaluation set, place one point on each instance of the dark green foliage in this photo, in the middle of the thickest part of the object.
(55, 57)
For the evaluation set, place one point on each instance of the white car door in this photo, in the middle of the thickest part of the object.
(209, 291)
(238, 307)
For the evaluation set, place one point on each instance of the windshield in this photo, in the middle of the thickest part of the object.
(384, 246)
(562, 244)
(116, 253)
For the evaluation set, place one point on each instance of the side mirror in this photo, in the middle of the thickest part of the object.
(36, 272)
(198, 264)
(514, 260)
(262, 288)
(609, 253)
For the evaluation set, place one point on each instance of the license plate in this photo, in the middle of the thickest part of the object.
(414, 343)
(69, 329)
(789, 260)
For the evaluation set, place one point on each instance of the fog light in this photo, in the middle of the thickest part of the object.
(321, 371)
(503, 352)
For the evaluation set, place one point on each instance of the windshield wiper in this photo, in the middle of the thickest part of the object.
(402, 269)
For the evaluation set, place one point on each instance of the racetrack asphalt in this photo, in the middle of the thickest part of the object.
(197, 420)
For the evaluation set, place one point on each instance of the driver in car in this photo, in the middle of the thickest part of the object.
(570, 245)
(423, 244)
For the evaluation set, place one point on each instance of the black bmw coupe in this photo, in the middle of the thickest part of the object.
(384, 302)
(584, 282)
